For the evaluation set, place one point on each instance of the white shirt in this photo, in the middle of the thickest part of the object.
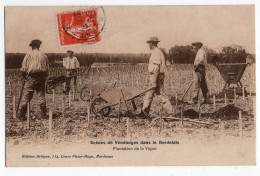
(71, 63)
(34, 62)
(201, 57)
(157, 58)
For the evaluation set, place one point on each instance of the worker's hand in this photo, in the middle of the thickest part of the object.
(77, 71)
(195, 67)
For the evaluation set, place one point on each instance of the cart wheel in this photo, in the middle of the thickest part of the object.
(49, 88)
(95, 107)
(85, 94)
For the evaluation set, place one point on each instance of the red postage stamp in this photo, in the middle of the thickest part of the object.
(78, 27)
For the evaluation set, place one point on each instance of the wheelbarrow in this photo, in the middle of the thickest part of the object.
(231, 74)
(101, 106)
(55, 81)
(91, 90)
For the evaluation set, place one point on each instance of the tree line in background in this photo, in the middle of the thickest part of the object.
(176, 54)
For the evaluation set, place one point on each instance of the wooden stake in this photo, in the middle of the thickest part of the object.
(88, 108)
(90, 99)
(28, 114)
(243, 89)
(50, 125)
(240, 125)
(160, 112)
(69, 99)
(63, 106)
(14, 111)
(235, 95)
(11, 92)
(53, 96)
(214, 103)
(254, 106)
(182, 115)
(119, 109)
(225, 99)
(127, 127)
(250, 90)
(176, 99)
(198, 104)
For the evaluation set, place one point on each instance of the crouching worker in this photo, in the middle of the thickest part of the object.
(71, 64)
(156, 69)
(35, 69)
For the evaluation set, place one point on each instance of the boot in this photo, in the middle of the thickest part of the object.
(43, 111)
(22, 112)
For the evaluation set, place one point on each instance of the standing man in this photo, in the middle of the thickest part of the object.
(35, 68)
(156, 69)
(200, 77)
(71, 64)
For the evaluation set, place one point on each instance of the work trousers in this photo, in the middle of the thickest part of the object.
(148, 98)
(68, 81)
(34, 82)
(200, 83)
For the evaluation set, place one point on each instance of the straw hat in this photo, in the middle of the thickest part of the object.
(153, 39)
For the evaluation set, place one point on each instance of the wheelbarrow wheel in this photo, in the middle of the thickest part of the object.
(95, 107)
(85, 94)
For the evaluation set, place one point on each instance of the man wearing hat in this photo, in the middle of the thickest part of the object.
(200, 77)
(71, 64)
(156, 69)
(34, 69)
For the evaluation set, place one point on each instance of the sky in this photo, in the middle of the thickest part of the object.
(127, 28)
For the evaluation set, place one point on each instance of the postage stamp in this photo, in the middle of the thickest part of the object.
(78, 27)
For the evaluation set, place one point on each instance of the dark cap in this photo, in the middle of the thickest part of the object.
(70, 51)
(35, 42)
(199, 44)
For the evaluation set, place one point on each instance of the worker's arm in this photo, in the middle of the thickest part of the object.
(77, 63)
(24, 65)
(64, 62)
(199, 59)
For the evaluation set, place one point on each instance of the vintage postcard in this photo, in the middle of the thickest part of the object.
(130, 85)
